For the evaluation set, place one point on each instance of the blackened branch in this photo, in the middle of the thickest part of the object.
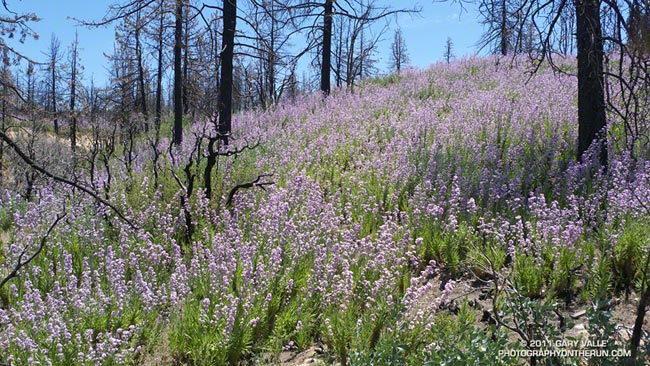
(60, 179)
(253, 184)
(20, 263)
(234, 152)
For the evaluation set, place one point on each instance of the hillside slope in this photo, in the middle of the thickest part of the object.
(398, 225)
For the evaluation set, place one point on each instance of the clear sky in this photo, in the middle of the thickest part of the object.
(56, 18)
(425, 34)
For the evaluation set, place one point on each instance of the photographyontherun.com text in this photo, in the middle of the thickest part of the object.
(566, 348)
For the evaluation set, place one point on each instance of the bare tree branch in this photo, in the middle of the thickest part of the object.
(20, 263)
(63, 180)
(252, 184)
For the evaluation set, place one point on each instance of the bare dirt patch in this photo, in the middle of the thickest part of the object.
(570, 318)
(161, 353)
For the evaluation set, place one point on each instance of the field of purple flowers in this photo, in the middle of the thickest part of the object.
(389, 209)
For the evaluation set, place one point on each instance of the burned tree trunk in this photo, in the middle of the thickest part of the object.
(142, 91)
(504, 28)
(178, 80)
(159, 75)
(326, 62)
(591, 96)
(73, 93)
(227, 53)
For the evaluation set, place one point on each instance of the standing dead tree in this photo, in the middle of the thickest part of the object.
(178, 76)
(74, 80)
(449, 50)
(143, 20)
(537, 30)
(613, 75)
(591, 93)
(627, 72)
(399, 53)
(226, 80)
(361, 43)
(308, 14)
(270, 35)
(510, 29)
(54, 75)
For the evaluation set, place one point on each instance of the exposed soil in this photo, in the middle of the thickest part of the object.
(312, 356)
(479, 296)
(160, 354)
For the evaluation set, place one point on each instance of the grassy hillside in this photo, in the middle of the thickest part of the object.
(436, 217)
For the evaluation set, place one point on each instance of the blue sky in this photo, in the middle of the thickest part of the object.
(56, 19)
(425, 33)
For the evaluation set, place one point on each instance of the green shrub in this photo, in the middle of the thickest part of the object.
(627, 254)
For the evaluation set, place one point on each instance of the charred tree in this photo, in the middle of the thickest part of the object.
(159, 73)
(503, 28)
(54, 58)
(226, 82)
(449, 50)
(142, 90)
(178, 76)
(186, 64)
(591, 96)
(399, 53)
(74, 79)
(326, 62)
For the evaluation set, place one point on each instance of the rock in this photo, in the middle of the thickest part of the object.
(578, 314)
(578, 331)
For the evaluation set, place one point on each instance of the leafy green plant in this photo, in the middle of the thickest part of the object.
(601, 330)
(449, 340)
(627, 254)
(486, 259)
(565, 273)
(197, 341)
(6, 218)
(449, 248)
(599, 283)
(535, 322)
(528, 277)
